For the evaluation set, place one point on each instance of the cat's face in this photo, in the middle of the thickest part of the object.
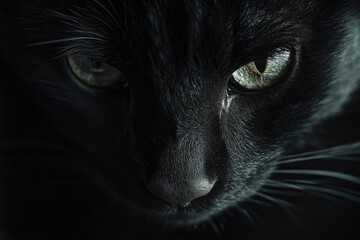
(207, 94)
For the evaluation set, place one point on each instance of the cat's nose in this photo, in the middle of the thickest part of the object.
(180, 194)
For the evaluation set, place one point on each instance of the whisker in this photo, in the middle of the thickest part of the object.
(342, 193)
(352, 148)
(221, 220)
(323, 173)
(334, 192)
(112, 18)
(312, 158)
(279, 192)
(279, 202)
(247, 215)
(257, 201)
(113, 8)
(298, 188)
(215, 228)
(285, 205)
(66, 19)
(321, 184)
(117, 15)
(88, 32)
(64, 40)
(95, 17)
(286, 181)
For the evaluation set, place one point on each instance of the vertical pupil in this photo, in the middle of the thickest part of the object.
(261, 64)
(95, 64)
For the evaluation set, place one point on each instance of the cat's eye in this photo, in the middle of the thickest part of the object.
(94, 73)
(263, 73)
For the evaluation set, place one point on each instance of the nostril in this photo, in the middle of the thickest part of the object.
(179, 193)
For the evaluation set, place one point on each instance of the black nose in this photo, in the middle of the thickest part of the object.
(179, 193)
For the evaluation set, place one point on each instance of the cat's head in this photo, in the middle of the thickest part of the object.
(197, 99)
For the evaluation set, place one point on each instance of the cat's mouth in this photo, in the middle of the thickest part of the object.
(137, 198)
(180, 216)
(190, 213)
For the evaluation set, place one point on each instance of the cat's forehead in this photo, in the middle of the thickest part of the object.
(208, 32)
(208, 35)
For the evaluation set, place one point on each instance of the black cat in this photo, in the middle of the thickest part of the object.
(177, 111)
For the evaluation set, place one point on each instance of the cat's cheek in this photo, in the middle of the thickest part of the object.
(247, 166)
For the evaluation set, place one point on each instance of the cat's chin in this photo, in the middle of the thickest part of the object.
(170, 215)
(180, 217)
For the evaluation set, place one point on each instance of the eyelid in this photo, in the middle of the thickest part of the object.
(245, 57)
(107, 79)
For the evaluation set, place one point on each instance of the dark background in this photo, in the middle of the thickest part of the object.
(315, 217)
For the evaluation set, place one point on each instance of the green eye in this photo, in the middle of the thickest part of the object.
(94, 73)
(262, 74)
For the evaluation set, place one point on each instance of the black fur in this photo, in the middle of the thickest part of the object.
(77, 157)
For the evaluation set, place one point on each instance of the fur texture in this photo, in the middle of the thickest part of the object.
(83, 154)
